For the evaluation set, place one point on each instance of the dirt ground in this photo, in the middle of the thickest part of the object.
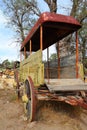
(49, 116)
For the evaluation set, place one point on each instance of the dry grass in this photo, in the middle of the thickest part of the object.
(46, 108)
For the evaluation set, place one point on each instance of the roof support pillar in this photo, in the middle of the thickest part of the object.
(77, 55)
(30, 46)
(41, 37)
(58, 61)
(48, 70)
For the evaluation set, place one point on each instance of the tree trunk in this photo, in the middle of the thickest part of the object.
(52, 4)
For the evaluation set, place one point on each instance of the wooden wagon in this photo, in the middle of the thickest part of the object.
(44, 82)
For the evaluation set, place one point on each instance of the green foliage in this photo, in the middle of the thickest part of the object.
(7, 64)
(53, 56)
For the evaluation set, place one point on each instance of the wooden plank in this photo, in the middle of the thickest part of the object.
(66, 85)
(77, 55)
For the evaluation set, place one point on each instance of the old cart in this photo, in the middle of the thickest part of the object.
(45, 82)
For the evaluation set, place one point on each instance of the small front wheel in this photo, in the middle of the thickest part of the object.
(30, 105)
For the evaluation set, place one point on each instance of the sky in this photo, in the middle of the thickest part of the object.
(8, 48)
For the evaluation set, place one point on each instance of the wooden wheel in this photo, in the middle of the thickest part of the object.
(31, 103)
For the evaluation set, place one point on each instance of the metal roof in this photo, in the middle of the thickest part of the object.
(55, 27)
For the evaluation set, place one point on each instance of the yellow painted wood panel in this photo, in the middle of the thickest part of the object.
(33, 67)
(81, 71)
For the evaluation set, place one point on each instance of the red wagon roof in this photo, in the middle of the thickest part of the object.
(55, 27)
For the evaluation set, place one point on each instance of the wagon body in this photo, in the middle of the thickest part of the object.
(33, 67)
(46, 82)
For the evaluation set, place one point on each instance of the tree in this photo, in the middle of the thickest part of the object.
(79, 11)
(53, 56)
(52, 4)
(19, 13)
(5, 63)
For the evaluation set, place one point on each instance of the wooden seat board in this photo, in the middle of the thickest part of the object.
(66, 85)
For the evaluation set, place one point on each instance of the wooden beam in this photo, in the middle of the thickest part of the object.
(41, 37)
(30, 47)
(48, 70)
(77, 55)
(58, 61)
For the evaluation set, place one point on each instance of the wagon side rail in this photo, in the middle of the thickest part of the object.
(70, 97)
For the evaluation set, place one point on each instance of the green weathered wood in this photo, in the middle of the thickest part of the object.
(33, 67)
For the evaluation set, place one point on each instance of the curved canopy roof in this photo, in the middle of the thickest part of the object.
(55, 27)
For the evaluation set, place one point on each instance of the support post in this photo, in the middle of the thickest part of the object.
(58, 61)
(30, 46)
(77, 55)
(48, 71)
(41, 37)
